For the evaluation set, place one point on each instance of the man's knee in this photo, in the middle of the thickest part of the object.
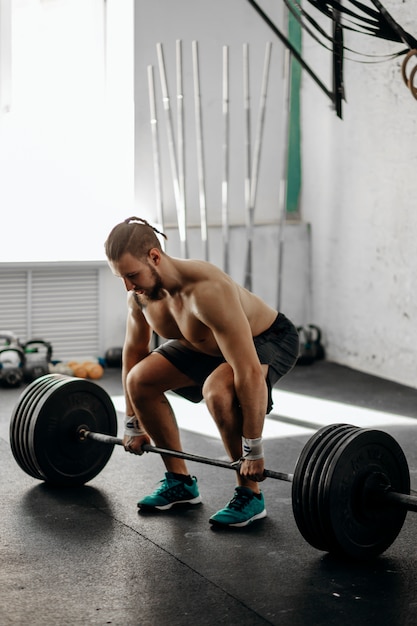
(219, 395)
(138, 384)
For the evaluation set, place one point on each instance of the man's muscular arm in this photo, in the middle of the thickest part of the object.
(136, 347)
(218, 306)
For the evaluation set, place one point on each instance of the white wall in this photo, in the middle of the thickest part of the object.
(359, 193)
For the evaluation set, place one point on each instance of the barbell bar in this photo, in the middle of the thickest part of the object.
(350, 486)
(108, 439)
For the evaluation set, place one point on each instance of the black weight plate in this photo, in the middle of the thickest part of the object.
(312, 481)
(310, 450)
(311, 487)
(357, 526)
(312, 477)
(61, 457)
(18, 424)
(310, 530)
(18, 415)
(32, 395)
(316, 491)
(26, 416)
(51, 382)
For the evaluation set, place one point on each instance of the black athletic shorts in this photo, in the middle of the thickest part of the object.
(278, 347)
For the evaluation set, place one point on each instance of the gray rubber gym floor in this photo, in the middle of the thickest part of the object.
(84, 555)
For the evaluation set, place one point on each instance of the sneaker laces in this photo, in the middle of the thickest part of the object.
(174, 487)
(164, 484)
(239, 501)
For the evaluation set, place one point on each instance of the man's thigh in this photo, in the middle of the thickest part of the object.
(196, 366)
(157, 371)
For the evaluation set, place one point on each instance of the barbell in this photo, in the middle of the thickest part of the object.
(350, 486)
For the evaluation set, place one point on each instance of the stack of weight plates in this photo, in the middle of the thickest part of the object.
(44, 429)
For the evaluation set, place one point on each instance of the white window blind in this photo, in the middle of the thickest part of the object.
(58, 305)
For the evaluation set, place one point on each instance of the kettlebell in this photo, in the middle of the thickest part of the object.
(318, 347)
(306, 355)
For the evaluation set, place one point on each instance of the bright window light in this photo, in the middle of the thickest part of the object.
(66, 164)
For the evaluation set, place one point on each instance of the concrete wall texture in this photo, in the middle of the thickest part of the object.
(359, 191)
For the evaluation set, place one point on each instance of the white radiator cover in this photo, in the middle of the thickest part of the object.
(57, 303)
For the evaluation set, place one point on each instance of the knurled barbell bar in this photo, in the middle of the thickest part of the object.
(350, 487)
(114, 441)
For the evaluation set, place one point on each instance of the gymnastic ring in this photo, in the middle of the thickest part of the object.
(411, 85)
(407, 57)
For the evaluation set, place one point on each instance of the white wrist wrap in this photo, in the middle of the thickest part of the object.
(252, 449)
(132, 427)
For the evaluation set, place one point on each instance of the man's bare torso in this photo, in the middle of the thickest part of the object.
(178, 314)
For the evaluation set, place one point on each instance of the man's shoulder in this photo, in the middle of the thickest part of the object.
(198, 273)
(216, 287)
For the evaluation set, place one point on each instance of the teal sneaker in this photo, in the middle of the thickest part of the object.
(244, 508)
(171, 491)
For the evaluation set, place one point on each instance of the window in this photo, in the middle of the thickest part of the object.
(65, 158)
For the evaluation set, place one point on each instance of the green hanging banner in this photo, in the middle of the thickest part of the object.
(294, 134)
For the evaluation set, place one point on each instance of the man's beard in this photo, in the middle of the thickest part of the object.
(157, 291)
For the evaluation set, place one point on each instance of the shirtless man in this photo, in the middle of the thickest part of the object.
(224, 345)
